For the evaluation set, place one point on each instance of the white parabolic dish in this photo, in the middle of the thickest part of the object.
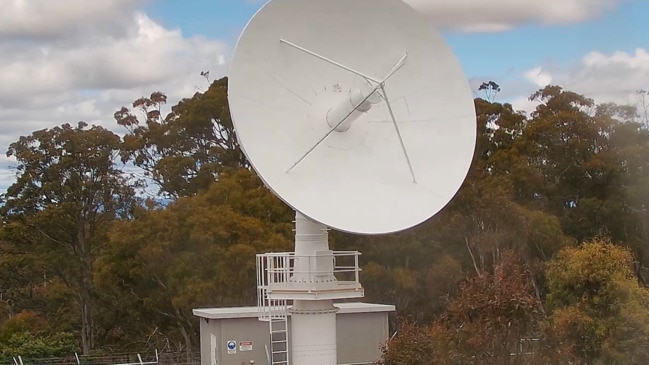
(300, 61)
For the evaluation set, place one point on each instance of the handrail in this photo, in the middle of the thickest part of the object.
(279, 267)
(285, 275)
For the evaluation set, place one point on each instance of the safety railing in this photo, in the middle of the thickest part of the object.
(289, 276)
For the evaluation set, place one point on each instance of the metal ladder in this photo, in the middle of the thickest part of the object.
(273, 311)
(278, 326)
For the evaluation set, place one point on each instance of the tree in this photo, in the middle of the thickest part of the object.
(600, 314)
(499, 127)
(490, 89)
(197, 251)
(492, 211)
(484, 324)
(630, 143)
(184, 151)
(29, 336)
(20, 275)
(415, 345)
(567, 144)
(493, 313)
(67, 193)
(585, 164)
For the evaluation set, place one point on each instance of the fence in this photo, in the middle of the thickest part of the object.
(165, 358)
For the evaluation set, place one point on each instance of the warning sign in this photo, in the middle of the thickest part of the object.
(231, 346)
(245, 345)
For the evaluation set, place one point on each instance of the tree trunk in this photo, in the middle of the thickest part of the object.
(87, 335)
(183, 331)
(85, 289)
(475, 265)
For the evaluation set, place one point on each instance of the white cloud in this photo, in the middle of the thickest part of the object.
(612, 77)
(617, 76)
(39, 20)
(499, 15)
(64, 61)
(539, 77)
(524, 104)
(148, 54)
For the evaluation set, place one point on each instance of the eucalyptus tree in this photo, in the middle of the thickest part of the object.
(184, 151)
(195, 252)
(599, 312)
(67, 193)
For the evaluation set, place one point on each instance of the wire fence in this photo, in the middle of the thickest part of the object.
(164, 358)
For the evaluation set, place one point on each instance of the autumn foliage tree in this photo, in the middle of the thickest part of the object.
(417, 345)
(67, 194)
(29, 335)
(184, 151)
(197, 252)
(490, 321)
(600, 314)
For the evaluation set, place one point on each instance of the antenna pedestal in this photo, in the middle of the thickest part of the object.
(313, 322)
(312, 276)
(313, 333)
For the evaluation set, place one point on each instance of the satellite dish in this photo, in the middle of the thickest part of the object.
(363, 123)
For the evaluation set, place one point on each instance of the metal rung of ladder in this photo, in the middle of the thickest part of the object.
(274, 311)
(279, 340)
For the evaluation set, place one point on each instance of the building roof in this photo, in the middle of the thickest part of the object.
(251, 312)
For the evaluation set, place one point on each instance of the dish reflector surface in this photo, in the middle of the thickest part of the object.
(408, 151)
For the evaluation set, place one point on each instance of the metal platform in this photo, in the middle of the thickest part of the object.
(325, 275)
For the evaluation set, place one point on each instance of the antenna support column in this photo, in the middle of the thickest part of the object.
(313, 333)
(313, 322)
(312, 277)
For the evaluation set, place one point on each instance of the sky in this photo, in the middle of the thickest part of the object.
(64, 61)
